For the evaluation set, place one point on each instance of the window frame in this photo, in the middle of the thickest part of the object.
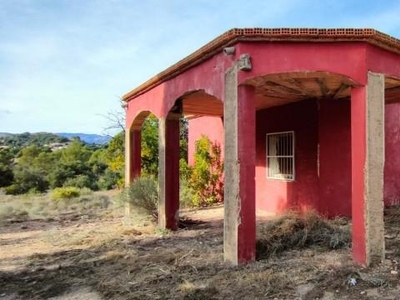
(282, 177)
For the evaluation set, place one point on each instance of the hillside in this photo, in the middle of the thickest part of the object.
(46, 138)
(26, 139)
(87, 137)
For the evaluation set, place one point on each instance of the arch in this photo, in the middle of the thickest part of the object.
(139, 119)
(196, 103)
(191, 104)
(133, 147)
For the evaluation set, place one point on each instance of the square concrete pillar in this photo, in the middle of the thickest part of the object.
(168, 173)
(368, 155)
(133, 158)
(239, 187)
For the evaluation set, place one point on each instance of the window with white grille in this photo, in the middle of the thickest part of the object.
(280, 155)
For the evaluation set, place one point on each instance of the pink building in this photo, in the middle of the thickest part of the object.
(306, 120)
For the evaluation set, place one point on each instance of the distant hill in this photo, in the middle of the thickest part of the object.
(4, 134)
(27, 138)
(86, 137)
(46, 138)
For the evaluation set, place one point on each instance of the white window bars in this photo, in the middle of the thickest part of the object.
(280, 155)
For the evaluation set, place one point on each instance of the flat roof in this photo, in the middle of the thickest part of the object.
(235, 35)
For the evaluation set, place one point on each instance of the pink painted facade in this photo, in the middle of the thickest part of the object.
(323, 152)
(313, 82)
(212, 127)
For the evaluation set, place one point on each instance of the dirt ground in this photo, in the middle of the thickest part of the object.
(88, 257)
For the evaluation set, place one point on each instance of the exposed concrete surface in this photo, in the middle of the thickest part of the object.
(374, 166)
(127, 157)
(162, 222)
(231, 187)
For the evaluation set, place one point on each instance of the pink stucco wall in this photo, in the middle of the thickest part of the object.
(392, 154)
(334, 157)
(275, 195)
(323, 155)
(212, 127)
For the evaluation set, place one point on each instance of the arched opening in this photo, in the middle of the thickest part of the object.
(142, 147)
(187, 121)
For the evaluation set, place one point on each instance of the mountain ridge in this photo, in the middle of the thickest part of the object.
(89, 138)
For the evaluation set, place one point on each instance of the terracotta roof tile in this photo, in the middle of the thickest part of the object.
(235, 35)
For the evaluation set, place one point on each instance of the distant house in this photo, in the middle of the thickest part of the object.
(307, 120)
(57, 146)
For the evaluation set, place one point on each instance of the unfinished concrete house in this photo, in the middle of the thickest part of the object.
(306, 118)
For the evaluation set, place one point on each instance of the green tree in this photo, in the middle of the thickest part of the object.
(114, 157)
(73, 167)
(150, 146)
(75, 152)
(183, 139)
(6, 172)
(30, 170)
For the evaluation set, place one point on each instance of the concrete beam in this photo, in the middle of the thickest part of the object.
(168, 173)
(239, 187)
(368, 156)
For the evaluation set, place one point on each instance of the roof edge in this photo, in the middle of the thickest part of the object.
(235, 35)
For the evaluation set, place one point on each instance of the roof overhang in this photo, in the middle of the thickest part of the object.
(234, 36)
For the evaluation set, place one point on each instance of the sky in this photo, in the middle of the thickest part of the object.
(64, 64)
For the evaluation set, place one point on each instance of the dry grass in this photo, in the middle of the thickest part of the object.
(392, 221)
(32, 207)
(296, 231)
(117, 260)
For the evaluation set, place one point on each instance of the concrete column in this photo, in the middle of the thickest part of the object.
(168, 173)
(132, 155)
(368, 155)
(132, 160)
(239, 188)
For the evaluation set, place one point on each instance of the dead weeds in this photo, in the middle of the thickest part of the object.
(116, 260)
(296, 231)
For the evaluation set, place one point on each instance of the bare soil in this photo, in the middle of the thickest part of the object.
(98, 257)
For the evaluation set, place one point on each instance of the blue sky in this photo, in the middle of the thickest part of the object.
(64, 63)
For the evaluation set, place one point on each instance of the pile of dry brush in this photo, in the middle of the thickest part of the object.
(295, 231)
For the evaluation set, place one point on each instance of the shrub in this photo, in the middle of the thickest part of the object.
(142, 195)
(186, 195)
(82, 181)
(204, 182)
(65, 193)
(109, 180)
(13, 189)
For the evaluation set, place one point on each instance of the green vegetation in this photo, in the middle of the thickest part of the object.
(65, 193)
(30, 164)
(36, 168)
(142, 195)
(26, 139)
(202, 184)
